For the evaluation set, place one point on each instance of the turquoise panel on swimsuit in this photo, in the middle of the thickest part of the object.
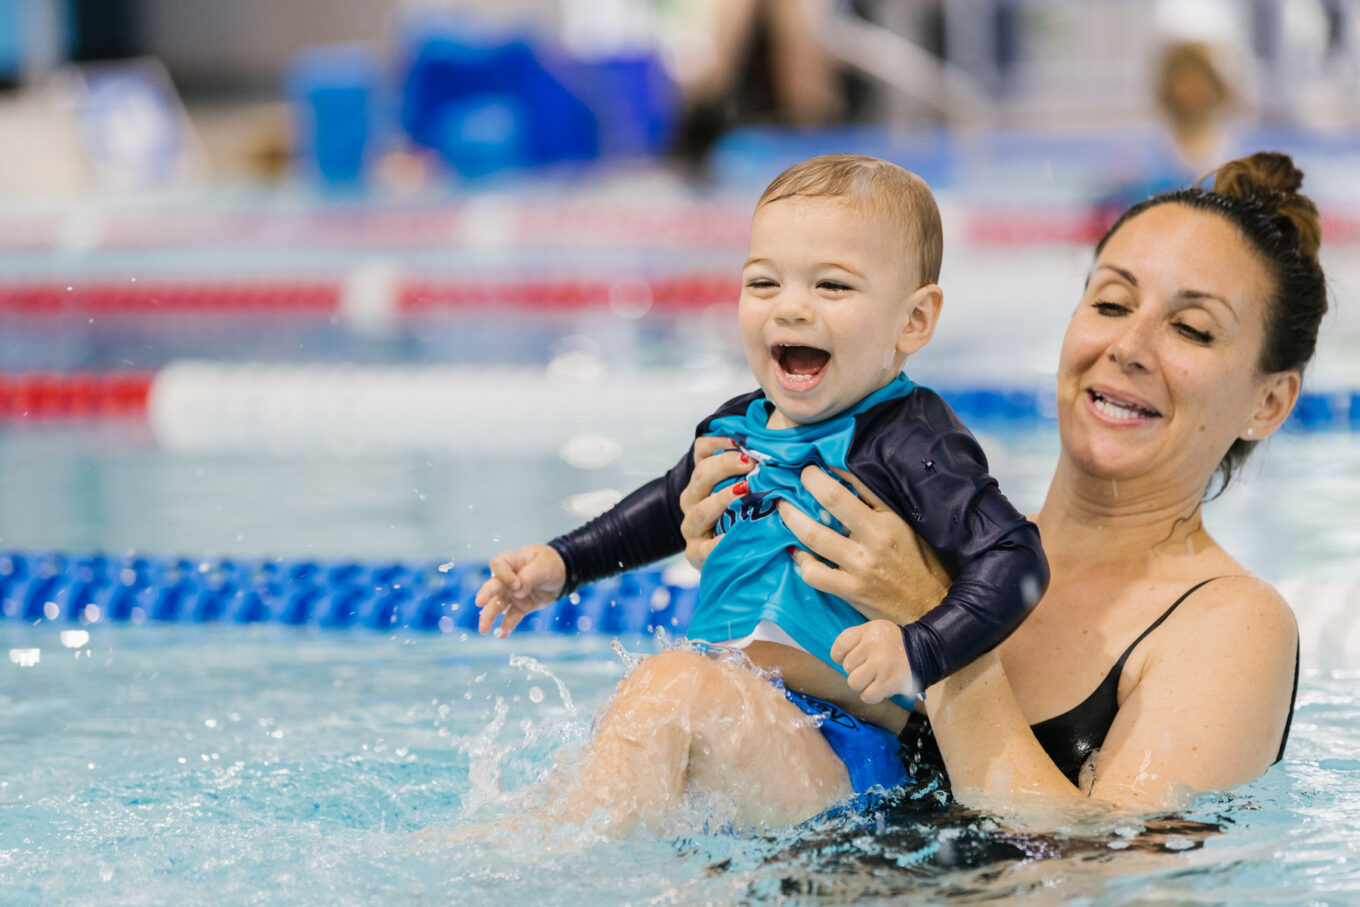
(750, 576)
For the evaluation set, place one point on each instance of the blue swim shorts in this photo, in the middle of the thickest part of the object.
(870, 753)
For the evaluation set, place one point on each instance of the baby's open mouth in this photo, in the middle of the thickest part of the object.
(799, 366)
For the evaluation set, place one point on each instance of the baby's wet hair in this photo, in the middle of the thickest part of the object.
(882, 187)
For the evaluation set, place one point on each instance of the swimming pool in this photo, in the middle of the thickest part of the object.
(284, 765)
(162, 761)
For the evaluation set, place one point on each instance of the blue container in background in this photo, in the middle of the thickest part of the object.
(482, 102)
(486, 104)
(634, 99)
(334, 92)
(481, 134)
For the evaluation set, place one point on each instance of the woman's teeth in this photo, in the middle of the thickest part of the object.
(1118, 410)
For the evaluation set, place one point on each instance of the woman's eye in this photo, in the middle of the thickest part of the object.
(1111, 309)
(1194, 334)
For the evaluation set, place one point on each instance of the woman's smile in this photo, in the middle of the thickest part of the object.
(1120, 408)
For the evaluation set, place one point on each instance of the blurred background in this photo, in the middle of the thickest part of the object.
(401, 95)
(401, 278)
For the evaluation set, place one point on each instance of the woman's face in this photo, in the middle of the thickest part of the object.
(1159, 367)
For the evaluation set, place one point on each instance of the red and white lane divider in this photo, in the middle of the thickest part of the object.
(648, 220)
(373, 287)
(74, 395)
(134, 297)
(575, 407)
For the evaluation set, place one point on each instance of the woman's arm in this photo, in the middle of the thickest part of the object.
(1207, 712)
(1211, 701)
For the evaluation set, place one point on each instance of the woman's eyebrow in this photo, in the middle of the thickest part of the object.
(1122, 272)
(1188, 295)
(1201, 296)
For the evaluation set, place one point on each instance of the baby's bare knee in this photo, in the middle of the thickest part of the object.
(675, 673)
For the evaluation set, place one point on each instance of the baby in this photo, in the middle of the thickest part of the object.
(838, 290)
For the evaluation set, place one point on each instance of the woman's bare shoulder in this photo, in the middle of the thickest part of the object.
(1239, 611)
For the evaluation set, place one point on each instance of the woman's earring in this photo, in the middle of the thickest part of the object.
(1250, 432)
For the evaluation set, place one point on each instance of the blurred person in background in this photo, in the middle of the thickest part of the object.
(1196, 102)
(765, 64)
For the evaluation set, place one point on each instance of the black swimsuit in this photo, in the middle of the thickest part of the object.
(1070, 738)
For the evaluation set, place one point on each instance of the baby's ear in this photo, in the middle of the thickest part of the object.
(923, 311)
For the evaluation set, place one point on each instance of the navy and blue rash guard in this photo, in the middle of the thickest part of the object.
(907, 446)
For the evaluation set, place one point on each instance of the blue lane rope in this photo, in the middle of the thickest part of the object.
(89, 588)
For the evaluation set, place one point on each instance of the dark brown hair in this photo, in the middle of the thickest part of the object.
(1259, 195)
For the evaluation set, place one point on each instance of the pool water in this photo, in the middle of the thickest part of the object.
(166, 763)
(269, 764)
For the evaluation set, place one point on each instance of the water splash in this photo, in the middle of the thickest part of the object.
(533, 666)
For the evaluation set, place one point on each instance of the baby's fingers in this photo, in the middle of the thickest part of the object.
(859, 678)
(505, 569)
(845, 643)
(511, 620)
(875, 692)
(490, 589)
(492, 607)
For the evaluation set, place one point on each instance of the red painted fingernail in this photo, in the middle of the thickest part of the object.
(745, 458)
(741, 488)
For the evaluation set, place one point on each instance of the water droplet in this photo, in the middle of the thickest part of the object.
(928, 463)
(535, 695)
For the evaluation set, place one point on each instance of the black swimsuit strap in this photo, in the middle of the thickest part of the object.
(1118, 668)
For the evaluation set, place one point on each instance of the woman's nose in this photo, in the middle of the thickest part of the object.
(1131, 348)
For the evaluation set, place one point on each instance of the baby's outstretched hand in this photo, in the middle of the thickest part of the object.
(522, 581)
(875, 661)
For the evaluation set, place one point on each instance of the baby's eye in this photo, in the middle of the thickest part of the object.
(835, 286)
(760, 283)
(1194, 334)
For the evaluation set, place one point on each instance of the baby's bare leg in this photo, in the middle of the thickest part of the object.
(683, 718)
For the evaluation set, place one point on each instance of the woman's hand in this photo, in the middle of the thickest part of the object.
(701, 505)
(881, 568)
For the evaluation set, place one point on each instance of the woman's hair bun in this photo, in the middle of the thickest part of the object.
(1270, 178)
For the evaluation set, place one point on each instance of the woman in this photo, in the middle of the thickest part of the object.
(1187, 348)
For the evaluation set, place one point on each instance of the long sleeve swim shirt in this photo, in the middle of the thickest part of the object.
(909, 448)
